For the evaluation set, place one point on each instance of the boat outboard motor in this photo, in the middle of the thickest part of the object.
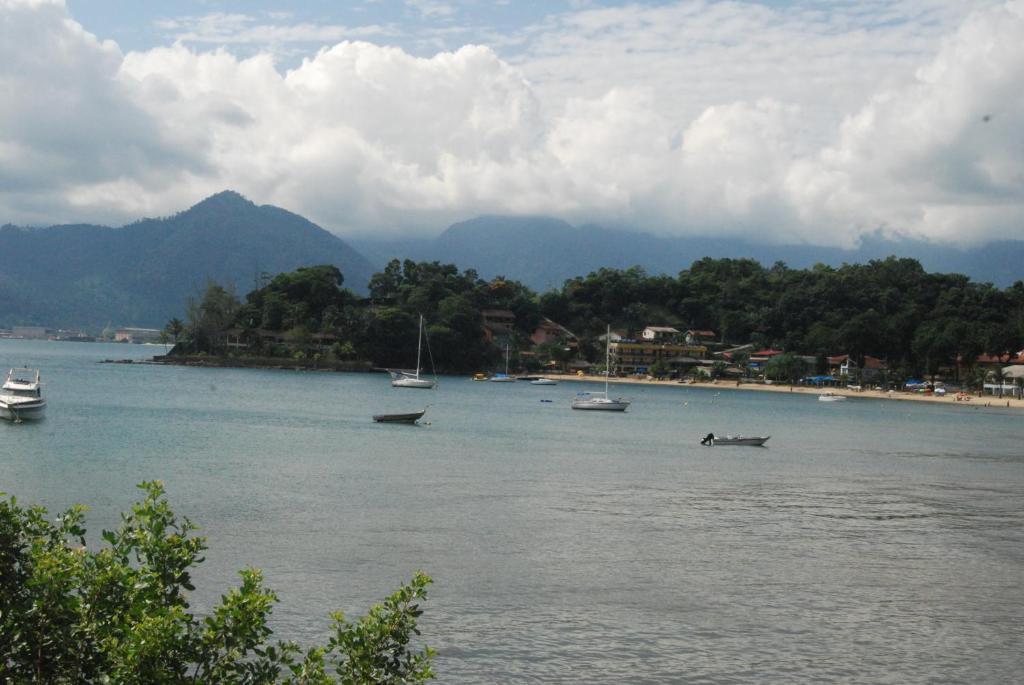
(709, 439)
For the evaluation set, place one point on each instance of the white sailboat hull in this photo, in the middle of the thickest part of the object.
(406, 379)
(600, 404)
(412, 382)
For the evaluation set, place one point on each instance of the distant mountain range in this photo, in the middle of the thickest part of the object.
(142, 274)
(543, 252)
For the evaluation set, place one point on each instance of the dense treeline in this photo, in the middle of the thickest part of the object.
(310, 302)
(892, 309)
(887, 308)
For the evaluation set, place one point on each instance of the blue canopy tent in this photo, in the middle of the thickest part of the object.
(819, 380)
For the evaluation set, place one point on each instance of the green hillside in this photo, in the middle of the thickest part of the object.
(141, 274)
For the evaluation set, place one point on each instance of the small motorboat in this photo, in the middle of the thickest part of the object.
(831, 397)
(479, 376)
(409, 418)
(543, 381)
(711, 440)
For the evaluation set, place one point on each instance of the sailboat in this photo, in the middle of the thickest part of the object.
(503, 377)
(601, 401)
(404, 379)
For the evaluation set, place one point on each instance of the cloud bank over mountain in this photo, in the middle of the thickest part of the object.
(798, 123)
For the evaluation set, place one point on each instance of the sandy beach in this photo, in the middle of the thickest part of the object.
(973, 401)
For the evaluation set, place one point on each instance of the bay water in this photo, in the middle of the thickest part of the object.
(870, 541)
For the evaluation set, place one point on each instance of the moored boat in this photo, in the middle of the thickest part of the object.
(543, 381)
(21, 397)
(711, 439)
(410, 417)
(831, 397)
(503, 377)
(405, 379)
(601, 401)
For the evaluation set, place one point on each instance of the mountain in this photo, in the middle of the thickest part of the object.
(142, 274)
(543, 252)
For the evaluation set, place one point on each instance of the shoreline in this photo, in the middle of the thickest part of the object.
(364, 367)
(897, 395)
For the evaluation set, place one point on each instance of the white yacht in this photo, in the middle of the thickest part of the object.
(831, 397)
(601, 401)
(21, 397)
(404, 379)
(543, 381)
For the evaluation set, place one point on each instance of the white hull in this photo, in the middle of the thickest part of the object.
(831, 398)
(543, 381)
(22, 411)
(413, 382)
(741, 441)
(599, 404)
(407, 379)
(502, 379)
(602, 402)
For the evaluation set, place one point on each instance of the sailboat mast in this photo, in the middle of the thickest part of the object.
(607, 358)
(419, 345)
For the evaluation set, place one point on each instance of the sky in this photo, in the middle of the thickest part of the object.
(783, 121)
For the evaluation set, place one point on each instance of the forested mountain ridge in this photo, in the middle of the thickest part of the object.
(140, 274)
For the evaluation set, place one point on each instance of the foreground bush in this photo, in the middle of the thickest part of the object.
(121, 614)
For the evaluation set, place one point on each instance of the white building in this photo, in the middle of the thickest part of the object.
(659, 332)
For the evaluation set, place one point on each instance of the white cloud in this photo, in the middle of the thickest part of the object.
(813, 123)
(219, 28)
(432, 9)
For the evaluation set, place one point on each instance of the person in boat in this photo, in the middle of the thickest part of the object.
(709, 439)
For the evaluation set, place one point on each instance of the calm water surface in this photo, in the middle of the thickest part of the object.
(873, 541)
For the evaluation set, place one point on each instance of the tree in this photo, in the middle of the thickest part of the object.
(174, 328)
(785, 367)
(120, 613)
(210, 316)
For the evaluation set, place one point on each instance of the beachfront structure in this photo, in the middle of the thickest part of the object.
(659, 333)
(638, 356)
(137, 335)
(844, 365)
(30, 332)
(759, 358)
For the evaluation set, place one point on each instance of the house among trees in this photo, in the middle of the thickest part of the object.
(694, 337)
(759, 358)
(659, 333)
(548, 331)
(498, 325)
(844, 365)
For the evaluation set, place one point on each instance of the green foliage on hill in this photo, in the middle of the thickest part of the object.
(887, 308)
(120, 613)
(316, 315)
